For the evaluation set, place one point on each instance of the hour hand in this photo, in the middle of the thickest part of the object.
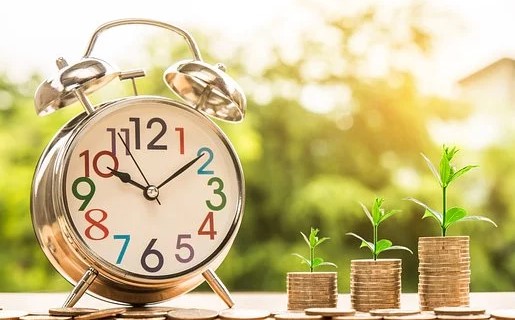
(126, 178)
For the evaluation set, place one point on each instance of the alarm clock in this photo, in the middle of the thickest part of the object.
(138, 200)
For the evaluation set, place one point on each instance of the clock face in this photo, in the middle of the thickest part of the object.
(152, 188)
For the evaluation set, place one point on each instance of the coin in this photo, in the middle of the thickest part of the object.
(464, 317)
(244, 314)
(100, 314)
(70, 311)
(45, 317)
(505, 314)
(192, 314)
(12, 314)
(296, 316)
(394, 312)
(419, 316)
(330, 312)
(458, 311)
(358, 316)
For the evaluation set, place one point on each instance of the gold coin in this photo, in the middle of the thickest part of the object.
(330, 312)
(244, 314)
(504, 314)
(393, 312)
(419, 316)
(376, 262)
(100, 314)
(458, 311)
(312, 275)
(70, 311)
(358, 316)
(44, 317)
(12, 314)
(296, 316)
(192, 314)
(464, 317)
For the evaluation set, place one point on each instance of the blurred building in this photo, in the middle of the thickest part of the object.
(490, 91)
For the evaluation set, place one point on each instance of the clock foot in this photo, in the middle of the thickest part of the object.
(218, 287)
(80, 287)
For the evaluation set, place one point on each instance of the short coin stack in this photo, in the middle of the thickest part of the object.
(461, 313)
(375, 284)
(444, 272)
(311, 290)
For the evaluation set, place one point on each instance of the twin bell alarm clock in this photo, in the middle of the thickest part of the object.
(138, 199)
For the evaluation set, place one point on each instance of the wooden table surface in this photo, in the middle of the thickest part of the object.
(273, 301)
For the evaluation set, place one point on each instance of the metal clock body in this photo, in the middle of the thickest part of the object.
(139, 199)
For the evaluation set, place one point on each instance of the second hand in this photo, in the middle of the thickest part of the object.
(136, 163)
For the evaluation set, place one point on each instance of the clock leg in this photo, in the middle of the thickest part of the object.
(218, 287)
(80, 287)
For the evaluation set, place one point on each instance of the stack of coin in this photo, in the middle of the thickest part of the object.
(312, 290)
(444, 272)
(375, 284)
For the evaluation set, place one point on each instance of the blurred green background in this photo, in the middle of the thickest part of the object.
(323, 132)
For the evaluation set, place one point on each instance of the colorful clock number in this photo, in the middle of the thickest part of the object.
(85, 197)
(207, 228)
(219, 192)
(126, 239)
(149, 253)
(96, 230)
(98, 157)
(210, 155)
(188, 248)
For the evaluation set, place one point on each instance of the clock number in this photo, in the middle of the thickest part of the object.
(84, 197)
(182, 245)
(114, 136)
(96, 158)
(208, 222)
(149, 251)
(96, 224)
(152, 144)
(210, 156)
(180, 131)
(126, 239)
(218, 191)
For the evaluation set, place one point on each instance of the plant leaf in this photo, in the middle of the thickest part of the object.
(387, 215)
(326, 263)
(461, 172)
(317, 262)
(453, 215)
(305, 239)
(313, 239)
(399, 248)
(364, 243)
(382, 245)
(367, 213)
(320, 241)
(302, 259)
(478, 218)
(377, 211)
(445, 168)
(432, 168)
(429, 211)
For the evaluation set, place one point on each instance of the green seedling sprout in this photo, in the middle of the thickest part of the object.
(378, 216)
(313, 241)
(445, 176)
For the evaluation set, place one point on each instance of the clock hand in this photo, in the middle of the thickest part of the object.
(181, 170)
(139, 169)
(126, 178)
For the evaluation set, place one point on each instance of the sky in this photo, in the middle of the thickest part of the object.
(35, 33)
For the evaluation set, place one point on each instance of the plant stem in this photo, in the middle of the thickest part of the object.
(375, 242)
(444, 211)
(311, 258)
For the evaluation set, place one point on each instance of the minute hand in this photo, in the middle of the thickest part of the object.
(181, 170)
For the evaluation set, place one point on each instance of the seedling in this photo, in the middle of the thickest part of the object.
(445, 176)
(378, 216)
(313, 241)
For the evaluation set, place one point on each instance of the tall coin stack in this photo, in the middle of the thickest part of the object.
(375, 284)
(312, 290)
(444, 272)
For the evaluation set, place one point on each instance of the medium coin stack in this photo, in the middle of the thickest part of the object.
(312, 290)
(375, 284)
(444, 272)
